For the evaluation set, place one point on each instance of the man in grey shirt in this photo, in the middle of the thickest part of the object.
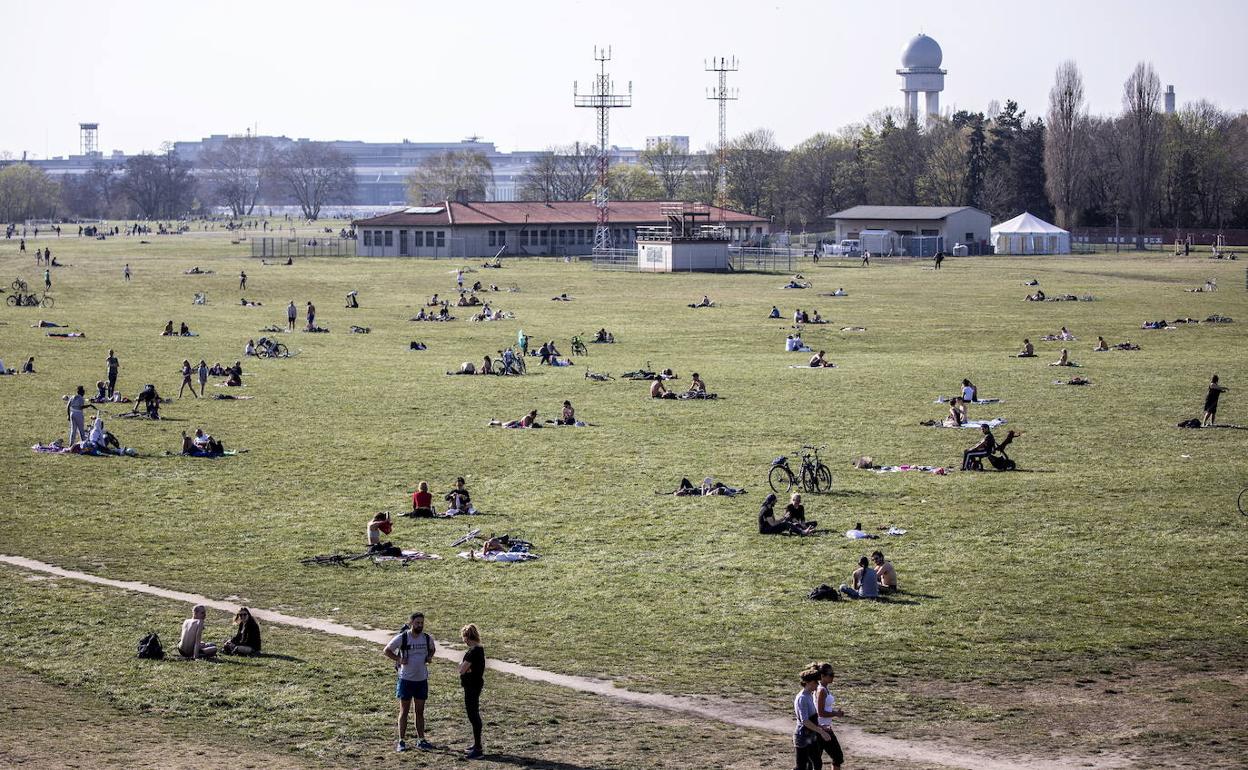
(411, 652)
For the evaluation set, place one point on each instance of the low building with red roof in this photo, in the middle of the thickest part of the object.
(523, 228)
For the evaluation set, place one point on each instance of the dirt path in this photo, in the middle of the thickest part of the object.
(855, 740)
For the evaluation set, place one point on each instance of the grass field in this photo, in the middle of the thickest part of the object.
(1096, 599)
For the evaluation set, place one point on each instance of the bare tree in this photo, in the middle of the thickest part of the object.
(160, 186)
(315, 174)
(27, 192)
(1066, 150)
(1142, 136)
(944, 180)
(236, 171)
(564, 174)
(669, 166)
(455, 175)
(754, 161)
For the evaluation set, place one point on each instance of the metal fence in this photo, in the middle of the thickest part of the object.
(615, 259)
(763, 260)
(302, 247)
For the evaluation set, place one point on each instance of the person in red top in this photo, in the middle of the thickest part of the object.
(422, 502)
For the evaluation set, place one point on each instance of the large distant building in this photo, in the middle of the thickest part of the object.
(677, 143)
(520, 228)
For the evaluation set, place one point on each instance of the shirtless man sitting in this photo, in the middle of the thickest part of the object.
(697, 387)
(658, 390)
(817, 361)
(885, 572)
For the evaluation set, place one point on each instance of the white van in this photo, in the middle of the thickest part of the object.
(849, 247)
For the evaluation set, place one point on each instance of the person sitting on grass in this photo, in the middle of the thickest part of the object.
(352, 302)
(865, 582)
(184, 330)
(818, 361)
(970, 393)
(704, 302)
(697, 387)
(101, 392)
(168, 332)
(459, 499)
(379, 525)
(957, 413)
(1028, 351)
(567, 416)
(191, 643)
(1064, 359)
(234, 378)
(562, 298)
(775, 312)
(150, 400)
(487, 365)
(840, 292)
(434, 301)
(768, 524)
(246, 639)
(795, 511)
(815, 318)
(659, 390)
(250, 348)
(201, 445)
(885, 572)
(980, 450)
(466, 367)
(422, 502)
(1101, 345)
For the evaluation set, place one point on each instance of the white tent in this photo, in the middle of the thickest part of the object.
(1026, 234)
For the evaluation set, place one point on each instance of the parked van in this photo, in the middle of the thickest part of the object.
(850, 247)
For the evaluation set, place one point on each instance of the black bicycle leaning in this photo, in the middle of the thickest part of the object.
(812, 476)
(1242, 502)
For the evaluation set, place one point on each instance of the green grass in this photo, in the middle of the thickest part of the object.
(1120, 545)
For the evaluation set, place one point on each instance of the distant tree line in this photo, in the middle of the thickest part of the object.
(1140, 168)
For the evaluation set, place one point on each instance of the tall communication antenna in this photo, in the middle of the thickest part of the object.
(602, 99)
(723, 95)
(88, 138)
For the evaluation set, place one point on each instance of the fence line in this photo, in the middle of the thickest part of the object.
(302, 247)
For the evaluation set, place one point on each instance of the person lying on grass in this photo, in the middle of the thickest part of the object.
(769, 524)
(246, 639)
(711, 487)
(527, 421)
(466, 367)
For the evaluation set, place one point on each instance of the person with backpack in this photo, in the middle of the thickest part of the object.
(472, 679)
(411, 652)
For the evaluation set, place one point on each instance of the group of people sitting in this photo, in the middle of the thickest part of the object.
(489, 314)
(697, 389)
(800, 316)
(567, 417)
(184, 331)
(603, 336)
(27, 368)
(443, 314)
(793, 344)
(201, 445)
(467, 299)
(458, 501)
(872, 579)
(704, 302)
(793, 522)
(1103, 346)
(245, 641)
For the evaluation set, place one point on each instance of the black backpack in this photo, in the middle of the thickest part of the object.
(150, 649)
(824, 593)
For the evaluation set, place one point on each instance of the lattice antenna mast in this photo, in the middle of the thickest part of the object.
(722, 94)
(603, 99)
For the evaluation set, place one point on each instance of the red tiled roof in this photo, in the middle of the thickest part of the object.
(540, 213)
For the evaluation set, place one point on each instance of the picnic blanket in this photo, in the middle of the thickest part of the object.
(807, 366)
(993, 423)
(944, 400)
(933, 469)
(408, 556)
(504, 557)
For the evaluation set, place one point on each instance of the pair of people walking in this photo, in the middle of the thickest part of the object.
(411, 651)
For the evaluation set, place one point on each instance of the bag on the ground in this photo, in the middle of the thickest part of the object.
(1001, 463)
(385, 549)
(150, 649)
(1192, 423)
(824, 593)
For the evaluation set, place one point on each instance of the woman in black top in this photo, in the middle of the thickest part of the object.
(472, 679)
(247, 640)
(1211, 401)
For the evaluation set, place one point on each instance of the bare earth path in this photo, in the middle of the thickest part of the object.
(855, 740)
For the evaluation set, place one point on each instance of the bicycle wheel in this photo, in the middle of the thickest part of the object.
(19, 285)
(809, 482)
(12, 300)
(47, 302)
(781, 479)
(1243, 501)
(823, 478)
(281, 351)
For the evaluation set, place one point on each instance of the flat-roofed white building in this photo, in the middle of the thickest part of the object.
(922, 230)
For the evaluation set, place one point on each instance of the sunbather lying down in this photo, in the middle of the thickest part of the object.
(709, 487)
(1073, 381)
(527, 421)
(868, 464)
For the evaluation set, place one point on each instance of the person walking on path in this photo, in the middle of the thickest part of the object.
(73, 410)
(125, 272)
(472, 679)
(825, 704)
(1211, 402)
(186, 379)
(291, 315)
(113, 365)
(411, 652)
(807, 735)
(242, 280)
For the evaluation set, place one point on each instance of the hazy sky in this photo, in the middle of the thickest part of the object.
(149, 72)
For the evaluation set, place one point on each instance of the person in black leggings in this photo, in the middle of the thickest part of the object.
(472, 679)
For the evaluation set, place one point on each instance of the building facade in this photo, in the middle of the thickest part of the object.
(921, 230)
(484, 229)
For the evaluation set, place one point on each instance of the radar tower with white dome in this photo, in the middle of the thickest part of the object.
(921, 74)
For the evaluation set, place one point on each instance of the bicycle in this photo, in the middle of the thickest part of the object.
(19, 285)
(812, 476)
(30, 300)
(267, 348)
(1242, 502)
(578, 347)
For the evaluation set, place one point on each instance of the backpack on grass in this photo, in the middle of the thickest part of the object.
(150, 649)
(824, 593)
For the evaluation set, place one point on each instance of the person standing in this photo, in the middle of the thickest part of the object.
(459, 279)
(825, 704)
(73, 410)
(202, 370)
(311, 315)
(186, 379)
(472, 679)
(411, 652)
(242, 280)
(940, 257)
(808, 733)
(113, 364)
(125, 272)
(291, 315)
(1211, 402)
(47, 280)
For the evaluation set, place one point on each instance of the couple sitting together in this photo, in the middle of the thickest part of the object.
(458, 501)
(201, 445)
(697, 389)
(792, 523)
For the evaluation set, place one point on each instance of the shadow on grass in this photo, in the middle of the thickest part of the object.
(544, 764)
